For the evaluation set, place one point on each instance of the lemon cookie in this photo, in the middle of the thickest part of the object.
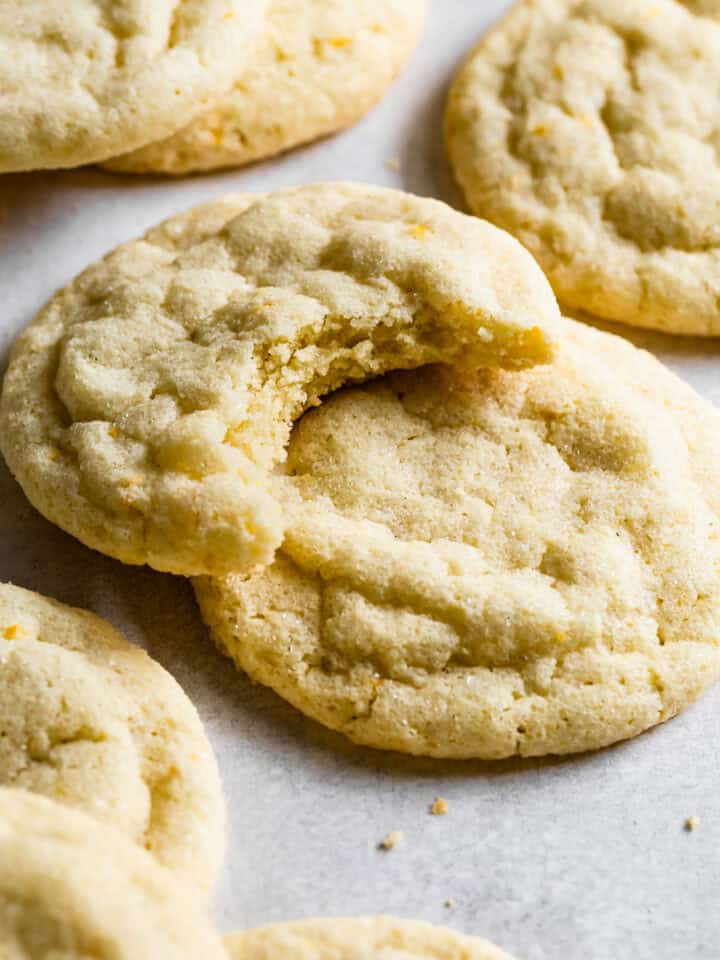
(361, 938)
(147, 406)
(318, 67)
(89, 720)
(591, 130)
(71, 888)
(506, 563)
(86, 80)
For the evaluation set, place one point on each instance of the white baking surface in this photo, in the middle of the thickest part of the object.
(575, 858)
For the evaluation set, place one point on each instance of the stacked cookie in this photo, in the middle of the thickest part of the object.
(111, 815)
(111, 812)
(161, 88)
(90, 721)
(509, 548)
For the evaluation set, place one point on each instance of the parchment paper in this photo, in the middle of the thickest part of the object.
(577, 858)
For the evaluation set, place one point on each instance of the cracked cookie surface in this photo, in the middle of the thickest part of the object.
(317, 67)
(73, 889)
(511, 563)
(360, 938)
(89, 720)
(147, 408)
(86, 80)
(590, 129)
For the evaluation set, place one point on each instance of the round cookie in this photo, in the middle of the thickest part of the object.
(511, 563)
(72, 889)
(89, 720)
(318, 67)
(359, 938)
(148, 406)
(86, 80)
(590, 129)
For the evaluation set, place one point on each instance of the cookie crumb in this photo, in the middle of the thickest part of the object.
(439, 807)
(391, 840)
(393, 163)
(14, 632)
(691, 823)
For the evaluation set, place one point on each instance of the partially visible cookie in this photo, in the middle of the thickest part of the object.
(89, 720)
(146, 408)
(86, 80)
(318, 67)
(590, 129)
(361, 938)
(73, 889)
(482, 566)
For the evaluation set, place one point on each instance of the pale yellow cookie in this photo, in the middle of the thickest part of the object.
(89, 720)
(360, 938)
(146, 408)
(83, 80)
(319, 66)
(506, 563)
(71, 889)
(590, 129)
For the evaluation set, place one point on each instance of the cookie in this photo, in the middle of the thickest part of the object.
(483, 566)
(87, 80)
(147, 408)
(590, 130)
(361, 938)
(318, 67)
(89, 720)
(73, 889)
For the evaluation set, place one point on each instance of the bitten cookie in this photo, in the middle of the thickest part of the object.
(89, 720)
(505, 563)
(148, 406)
(361, 938)
(590, 129)
(71, 888)
(86, 80)
(318, 67)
